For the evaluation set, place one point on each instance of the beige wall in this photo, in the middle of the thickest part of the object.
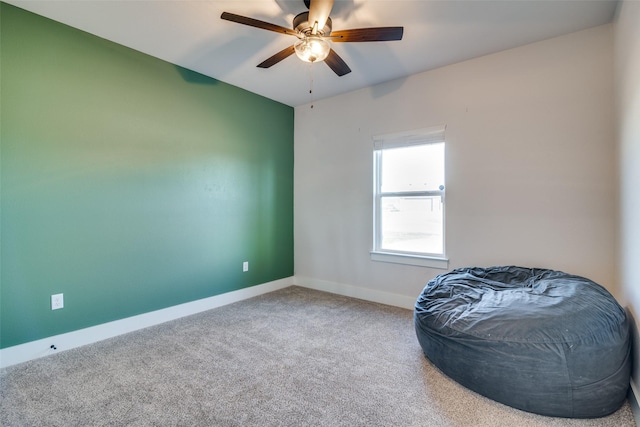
(627, 78)
(530, 169)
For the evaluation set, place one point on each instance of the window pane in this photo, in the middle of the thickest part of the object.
(415, 168)
(412, 224)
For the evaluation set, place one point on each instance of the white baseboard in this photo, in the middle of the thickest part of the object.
(40, 348)
(381, 297)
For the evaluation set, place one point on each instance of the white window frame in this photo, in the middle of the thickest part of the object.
(430, 135)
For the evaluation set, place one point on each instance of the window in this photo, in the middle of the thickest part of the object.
(409, 198)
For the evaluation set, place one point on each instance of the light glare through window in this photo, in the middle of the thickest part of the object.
(410, 199)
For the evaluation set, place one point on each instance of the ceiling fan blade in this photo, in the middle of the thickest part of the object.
(337, 64)
(374, 34)
(284, 53)
(319, 10)
(257, 24)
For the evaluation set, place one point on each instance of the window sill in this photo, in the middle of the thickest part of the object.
(417, 260)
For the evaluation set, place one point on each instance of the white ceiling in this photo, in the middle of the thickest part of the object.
(191, 34)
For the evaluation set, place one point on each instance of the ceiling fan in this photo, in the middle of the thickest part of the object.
(313, 30)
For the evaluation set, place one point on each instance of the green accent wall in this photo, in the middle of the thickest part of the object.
(128, 183)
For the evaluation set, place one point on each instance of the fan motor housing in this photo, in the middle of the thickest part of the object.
(302, 25)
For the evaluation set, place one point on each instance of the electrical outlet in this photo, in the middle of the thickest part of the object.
(245, 266)
(57, 301)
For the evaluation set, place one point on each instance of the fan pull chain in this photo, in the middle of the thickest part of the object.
(311, 84)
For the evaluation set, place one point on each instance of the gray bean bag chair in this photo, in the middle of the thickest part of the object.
(538, 340)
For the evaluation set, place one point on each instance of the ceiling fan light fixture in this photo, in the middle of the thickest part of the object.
(314, 31)
(312, 48)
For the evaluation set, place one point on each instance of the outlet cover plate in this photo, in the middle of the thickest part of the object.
(57, 301)
(245, 266)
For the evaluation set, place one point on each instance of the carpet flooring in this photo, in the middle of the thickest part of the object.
(294, 357)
